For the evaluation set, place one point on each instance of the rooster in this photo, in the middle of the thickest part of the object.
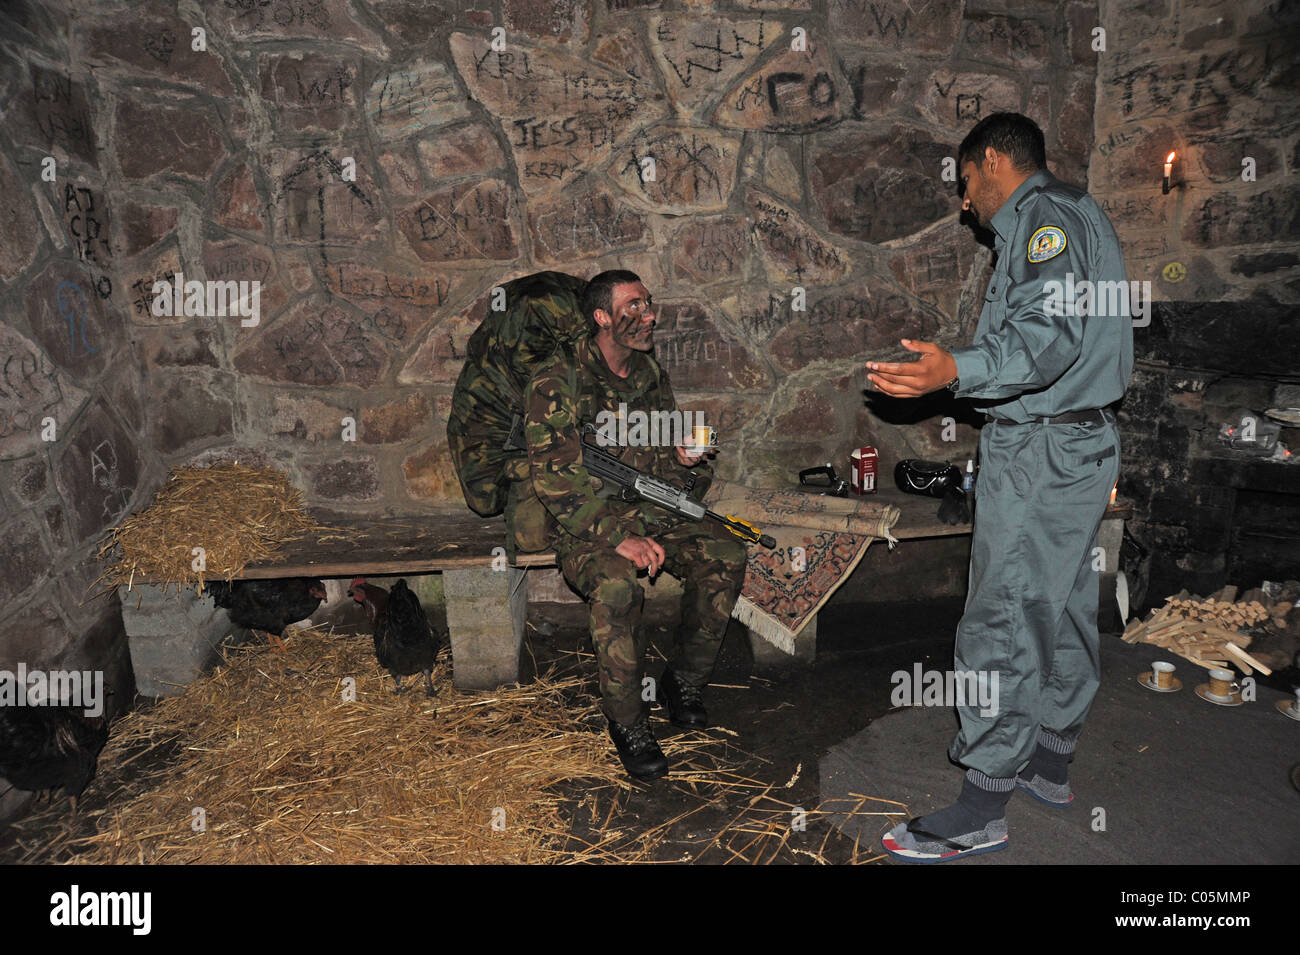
(404, 640)
(49, 747)
(267, 605)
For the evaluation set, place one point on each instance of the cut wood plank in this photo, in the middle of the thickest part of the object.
(1174, 628)
(1245, 657)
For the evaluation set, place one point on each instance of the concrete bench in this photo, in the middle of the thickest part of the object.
(172, 640)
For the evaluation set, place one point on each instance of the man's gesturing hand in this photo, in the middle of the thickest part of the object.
(643, 552)
(934, 369)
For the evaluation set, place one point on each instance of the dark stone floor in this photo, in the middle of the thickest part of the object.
(1180, 780)
(1158, 779)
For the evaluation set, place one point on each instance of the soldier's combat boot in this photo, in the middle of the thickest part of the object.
(684, 703)
(637, 748)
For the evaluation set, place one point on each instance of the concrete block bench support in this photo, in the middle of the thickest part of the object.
(173, 638)
(768, 656)
(485, 614)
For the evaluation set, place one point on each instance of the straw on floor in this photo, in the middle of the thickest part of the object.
(268, 760)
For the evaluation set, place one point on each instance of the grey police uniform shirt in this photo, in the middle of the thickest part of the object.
(1055, 334)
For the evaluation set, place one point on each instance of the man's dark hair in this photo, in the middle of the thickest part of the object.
(1013, 135)
(600, 291)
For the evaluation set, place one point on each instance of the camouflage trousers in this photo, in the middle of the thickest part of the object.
(709, 562)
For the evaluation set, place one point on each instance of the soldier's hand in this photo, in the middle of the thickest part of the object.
(643, 552)
(934, 369)
(686, 459)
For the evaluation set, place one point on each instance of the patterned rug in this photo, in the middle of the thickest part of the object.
(819, 541)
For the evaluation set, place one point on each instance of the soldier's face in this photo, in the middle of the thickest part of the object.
(632, 322)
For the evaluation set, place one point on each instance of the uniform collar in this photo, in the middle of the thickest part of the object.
(591, 356)
(1004, 220)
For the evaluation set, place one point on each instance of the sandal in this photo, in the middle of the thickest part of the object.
(1049, 794)
(927, 847)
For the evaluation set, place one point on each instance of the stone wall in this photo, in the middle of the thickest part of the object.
(1216, 83)
(774, 172)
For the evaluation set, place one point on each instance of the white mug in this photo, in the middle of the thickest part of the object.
(1221, 680)
(1162, 674)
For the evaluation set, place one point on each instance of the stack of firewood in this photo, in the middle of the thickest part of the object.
(1206, 630)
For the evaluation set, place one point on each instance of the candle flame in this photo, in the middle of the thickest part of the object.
(1169, 158)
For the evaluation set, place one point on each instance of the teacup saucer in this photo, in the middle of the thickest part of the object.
(1203, 691)
(1145, 680)
(1288, 708)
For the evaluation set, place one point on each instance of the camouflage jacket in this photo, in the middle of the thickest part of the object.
(570, 389)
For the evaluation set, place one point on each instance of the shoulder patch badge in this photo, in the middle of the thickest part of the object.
(1047, 243)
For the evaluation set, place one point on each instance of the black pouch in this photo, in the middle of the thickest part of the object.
(930, 478)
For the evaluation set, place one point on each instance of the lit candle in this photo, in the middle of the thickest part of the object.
(1113, 491)
(1169, 171)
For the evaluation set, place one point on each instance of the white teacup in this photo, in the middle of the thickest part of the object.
(1162, 674)
(1221, 684)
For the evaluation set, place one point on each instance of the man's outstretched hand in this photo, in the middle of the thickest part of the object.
(642, 551)
(934, 369)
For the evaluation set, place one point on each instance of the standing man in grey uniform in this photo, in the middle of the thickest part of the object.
(1052, 352)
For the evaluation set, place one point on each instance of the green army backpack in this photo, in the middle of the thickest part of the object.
(541, 311)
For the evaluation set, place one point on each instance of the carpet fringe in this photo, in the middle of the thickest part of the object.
(760, 623)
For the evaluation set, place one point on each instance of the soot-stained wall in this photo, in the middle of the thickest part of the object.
(1215, 83)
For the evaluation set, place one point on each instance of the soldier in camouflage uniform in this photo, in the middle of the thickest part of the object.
(603, 542)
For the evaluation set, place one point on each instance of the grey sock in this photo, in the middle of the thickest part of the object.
(1051, 759)
(983, 800)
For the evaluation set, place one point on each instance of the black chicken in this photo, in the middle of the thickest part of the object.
(404, 640)
(267, 605)
(49, 747)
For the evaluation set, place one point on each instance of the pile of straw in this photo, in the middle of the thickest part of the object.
(285, 770)
(237, 514)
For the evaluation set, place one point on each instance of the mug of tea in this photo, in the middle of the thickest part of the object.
(1221, 685)
(703, 439)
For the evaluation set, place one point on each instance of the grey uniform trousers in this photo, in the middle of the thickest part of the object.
(1031, 609)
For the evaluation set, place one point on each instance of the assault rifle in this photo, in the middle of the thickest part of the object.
(633, 485)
